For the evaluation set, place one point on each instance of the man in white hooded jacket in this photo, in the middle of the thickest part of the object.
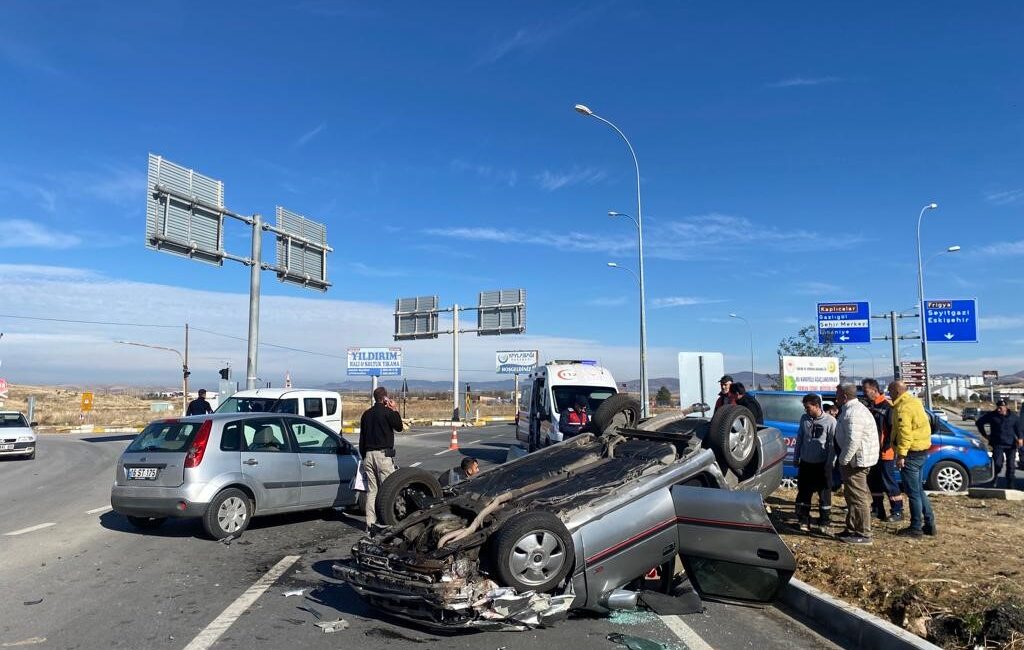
(857, 440)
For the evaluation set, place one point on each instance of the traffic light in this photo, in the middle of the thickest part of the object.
(225, 373)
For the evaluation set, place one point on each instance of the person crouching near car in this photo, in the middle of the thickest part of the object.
(912, 437)
(882, 477)
(814, 456)
(857, 439)
(377, 428)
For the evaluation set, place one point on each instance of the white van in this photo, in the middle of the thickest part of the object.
(321, 405)
(551, 390)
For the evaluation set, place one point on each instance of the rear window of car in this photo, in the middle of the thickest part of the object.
(313, 407)
(782, 408)
(165, 437)
(287, 406)
(332, 405)
(12, 420)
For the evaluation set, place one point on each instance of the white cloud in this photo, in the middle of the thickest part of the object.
(22, 233)
(816, 288)
(59, 352)
(1001, 322)
(552, 181)
(608, 301)
(368, 271)
(793, 82)
(681, 301)
(1004, 197)
(1004, 248)
(569, 241)
(309, 135)
(507, 177)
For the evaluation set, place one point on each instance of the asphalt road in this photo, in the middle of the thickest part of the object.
(76, 575)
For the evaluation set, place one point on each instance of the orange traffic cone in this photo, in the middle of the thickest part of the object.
(454, 444)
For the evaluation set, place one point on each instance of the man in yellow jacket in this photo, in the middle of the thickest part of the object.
(912, 437)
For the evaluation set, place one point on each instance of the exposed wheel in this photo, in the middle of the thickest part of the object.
(732, 435)
(146, 523)
(618, 411)
(404, 492)
(228, 514)
(948, 476)
(533, 550)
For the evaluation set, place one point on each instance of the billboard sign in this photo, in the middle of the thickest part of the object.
(184, 212)
(951, 321)
(809, 373)
(514, 362)
(987, 375)
(501, 312)
(86, 402)
(912, 373)
(842, 323)
(379, 362)
(416, 318)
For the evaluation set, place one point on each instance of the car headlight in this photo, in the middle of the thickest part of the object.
(25, 438)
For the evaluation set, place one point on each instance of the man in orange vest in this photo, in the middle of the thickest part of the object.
(882, 477)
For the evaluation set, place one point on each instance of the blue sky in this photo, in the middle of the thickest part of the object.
(785, 153)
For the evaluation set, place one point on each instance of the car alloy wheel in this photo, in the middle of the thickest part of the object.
(536, 557)
(232, 514)
(949, 479)
(741, 436)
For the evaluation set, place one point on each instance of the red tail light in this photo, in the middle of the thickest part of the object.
(195, 453)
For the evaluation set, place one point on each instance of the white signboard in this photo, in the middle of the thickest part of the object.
(380, 362)
(514, 362)
(699, 373)
(809, 373)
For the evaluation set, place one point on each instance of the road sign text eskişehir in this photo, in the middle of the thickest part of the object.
(951, 321)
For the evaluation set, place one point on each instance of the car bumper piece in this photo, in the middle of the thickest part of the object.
(981, 474)
(165, 506)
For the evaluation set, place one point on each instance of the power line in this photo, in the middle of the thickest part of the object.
(89, 322)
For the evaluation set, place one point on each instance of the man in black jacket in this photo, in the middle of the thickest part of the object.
(377, 429)
(1005, 435)
(199, 406)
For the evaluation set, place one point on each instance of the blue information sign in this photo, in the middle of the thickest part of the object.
(843, 323)
(951, 321)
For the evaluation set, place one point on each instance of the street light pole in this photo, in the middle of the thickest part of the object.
(921, 310)
(184, 366)
(874, 371)
(644, 399)
(750, 329)
(613, 265)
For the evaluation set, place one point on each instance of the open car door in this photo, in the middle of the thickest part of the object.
(729, 547)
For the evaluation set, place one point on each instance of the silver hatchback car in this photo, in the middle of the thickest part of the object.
(229, 467)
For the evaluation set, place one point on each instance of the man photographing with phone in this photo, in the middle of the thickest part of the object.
(377, 428)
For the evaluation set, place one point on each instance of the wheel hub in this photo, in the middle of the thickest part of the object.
(536, 557)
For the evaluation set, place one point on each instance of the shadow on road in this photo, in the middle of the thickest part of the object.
(122, 438)
(193, 527)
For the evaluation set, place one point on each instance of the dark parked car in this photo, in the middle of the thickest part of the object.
(574, 523)
(970, 413)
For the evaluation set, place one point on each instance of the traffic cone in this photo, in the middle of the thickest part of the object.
(454, 444)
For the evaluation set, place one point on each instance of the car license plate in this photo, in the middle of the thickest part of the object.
(144, 473)
(6, 447)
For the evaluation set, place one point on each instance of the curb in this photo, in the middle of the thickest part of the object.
(866, 631)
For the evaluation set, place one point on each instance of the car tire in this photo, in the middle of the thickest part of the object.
(228, 514)
(618, 411)
(394, 496)
(948, 476)
(533, 551)
(146, 523)
(732, 435)
(359, 507)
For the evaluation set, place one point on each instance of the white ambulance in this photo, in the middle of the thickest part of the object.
(551, 391)
(321, 405)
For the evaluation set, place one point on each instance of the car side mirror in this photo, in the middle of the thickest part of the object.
(33, 424)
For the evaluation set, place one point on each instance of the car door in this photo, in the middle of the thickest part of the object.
(269, 460)
(728, 545)
(327, 465)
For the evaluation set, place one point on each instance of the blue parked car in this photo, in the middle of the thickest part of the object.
(956, 460)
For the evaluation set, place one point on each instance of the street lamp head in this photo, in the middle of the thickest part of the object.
(733, 316)
(613, 265)
(583, 110)
(613, 213)
(932, 206)
(953, 249)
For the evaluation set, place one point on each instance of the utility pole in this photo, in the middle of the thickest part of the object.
(185, 373)
(894, 336)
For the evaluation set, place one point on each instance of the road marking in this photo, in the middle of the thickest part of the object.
(98, 510)
(29, 529)
(473, 443)
(445, 451)
(415, 465)
(220, 625)
(685, 633)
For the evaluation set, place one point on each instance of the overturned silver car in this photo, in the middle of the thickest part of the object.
(568, 526)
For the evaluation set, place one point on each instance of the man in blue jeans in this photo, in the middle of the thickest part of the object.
(912, 437)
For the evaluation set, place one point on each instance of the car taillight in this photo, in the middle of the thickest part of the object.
(198, 448)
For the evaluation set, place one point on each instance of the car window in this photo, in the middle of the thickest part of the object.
(231, 437)
(164, 436)
(264, 436)
(332, 405)
(313, 407)
(287, 406)
(314, 439)
(247, 405)
(782, 408)
(734, 581)
(565, 396)
(12, 420)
